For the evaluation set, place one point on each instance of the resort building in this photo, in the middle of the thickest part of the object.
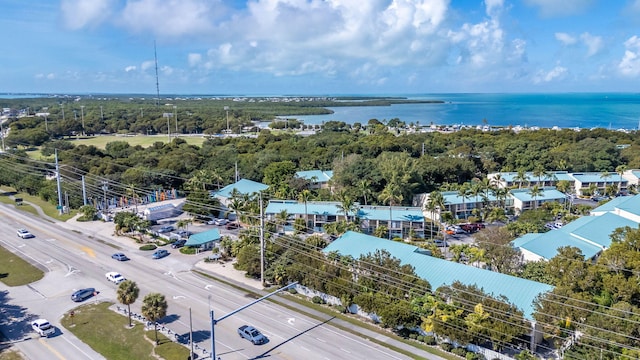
(317, 179)
(580, 183)
(402, 221)
(511, 180)
(525, 199)
(439, 272)
(242, 187)
(590, 234)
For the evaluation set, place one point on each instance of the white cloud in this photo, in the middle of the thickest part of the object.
(194, 59)
(553, 8)
(557, 73)
(79, 14)
(130, 68)
(170, 18)
(629, 65)
(147, 65)
(565, 38)
(50, 76)
(594, 43)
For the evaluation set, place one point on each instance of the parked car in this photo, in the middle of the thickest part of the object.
(252, 334)
(25, 234)
(119, 257)
(440, 243)
(183, 233)
(232, 225)
(115, 277)
(43, 327)
(178, 244)
(212, 221)
(221, 222)
(159, 254)
(166, 229)
(83, 294)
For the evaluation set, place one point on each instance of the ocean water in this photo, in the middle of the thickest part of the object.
(569, 110)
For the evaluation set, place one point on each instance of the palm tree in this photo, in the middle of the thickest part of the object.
(605, 175)
(127, 294)
(304, 196)
(346, 206)
(391, 194)
(464, 191)
(620, 169)
(521, 177)
(437, 202)
(133, 194)
(535, 191)
(475, 191)
(154, 308)
(539, 172)
(364, 189)
(430, 207)
(281, 218)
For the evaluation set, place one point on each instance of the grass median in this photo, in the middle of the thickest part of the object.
(14, 271)
(108, 333)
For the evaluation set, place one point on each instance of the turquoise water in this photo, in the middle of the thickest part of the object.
(583, 110)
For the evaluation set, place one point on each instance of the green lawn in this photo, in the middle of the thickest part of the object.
(142, 140)
(48, 208)
(14, 271)
(107, 333)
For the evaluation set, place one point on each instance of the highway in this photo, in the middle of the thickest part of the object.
(73, 260)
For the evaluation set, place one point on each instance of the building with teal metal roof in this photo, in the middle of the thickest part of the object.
(439, 272)
(511, 180)
(242, 187)
(318, 179)
(204, 240)
(590, 234)
(523, 199)
(402, 220)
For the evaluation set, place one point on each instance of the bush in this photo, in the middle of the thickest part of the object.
(317, 300)
(148, 247)
(292, 290)
(413, 336)
(341, 309)
(188, 250)
(474, 356)
(420, 338)
(430, 340)
(446, 347)
(462, 352)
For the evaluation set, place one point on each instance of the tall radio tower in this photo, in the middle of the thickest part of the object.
(155, 55)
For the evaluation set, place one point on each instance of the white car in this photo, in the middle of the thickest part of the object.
(115, 277)
(43, 327)
(25, 234)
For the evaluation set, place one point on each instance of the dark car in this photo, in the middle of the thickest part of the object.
(159, 254)
(83, 294)
(166, 229)
(119, 257)
(232, 225)
(178, 244)
(252, 334)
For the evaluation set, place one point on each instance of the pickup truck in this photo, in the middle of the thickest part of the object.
(252, 334)
(43, 327)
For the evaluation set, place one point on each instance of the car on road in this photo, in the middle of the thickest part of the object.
(83, 294)
(25, 234)
(159, 254)
(252, 334)
(120, 257)
(43, 327)
(178, 244)
(166, 229)
(115, 277)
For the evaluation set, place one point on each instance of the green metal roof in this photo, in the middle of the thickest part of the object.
(203, 238)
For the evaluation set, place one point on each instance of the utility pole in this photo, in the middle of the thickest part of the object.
(175, 113)
(58, 182)
(226, 108)
(2, 135)
(62, 106)
(261, 241)
(84, 192)
(191, 334)
(168, 129)
(82, 117)
(101, 114)
(105, 187)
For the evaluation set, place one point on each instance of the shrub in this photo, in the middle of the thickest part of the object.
(430, 340)
(446, 347)
(341, 309)
(413, 336)
(459, 351)
(292, 290)
(474, 356)
(420, 338)
(148, 247)
(188, 250)
(317, 300)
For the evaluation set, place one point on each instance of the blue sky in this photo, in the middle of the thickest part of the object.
(265, 47)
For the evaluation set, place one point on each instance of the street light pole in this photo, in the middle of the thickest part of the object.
(175, 113)
(214, 321)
